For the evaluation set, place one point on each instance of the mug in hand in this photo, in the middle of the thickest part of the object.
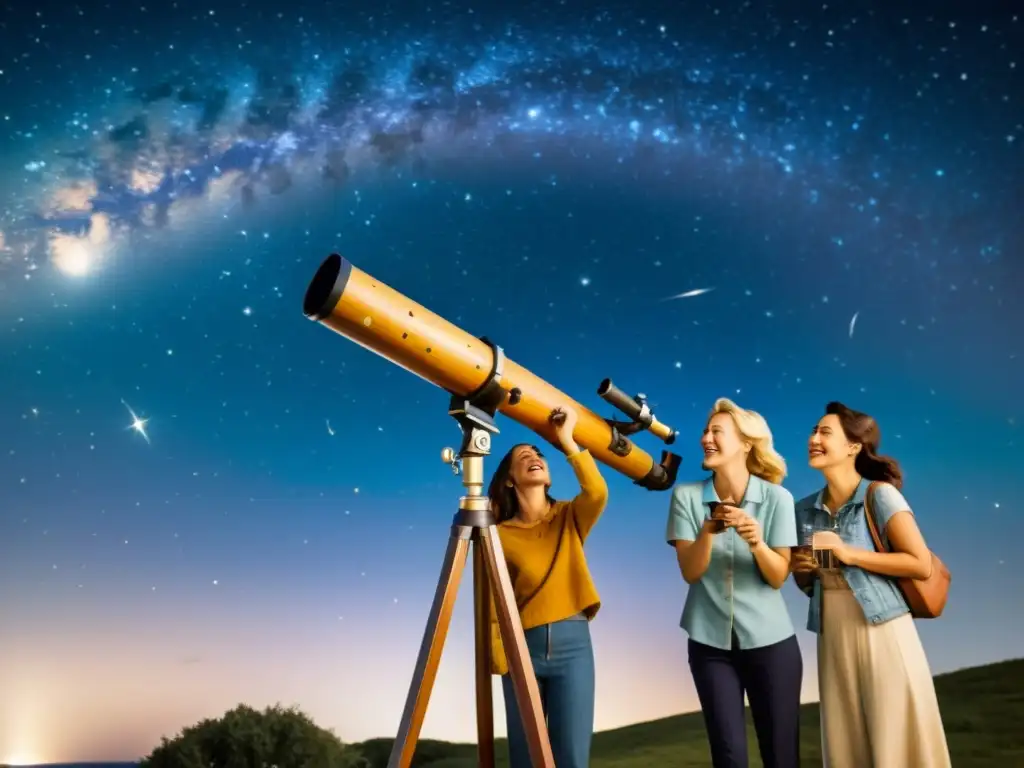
(806, 539)
(824, 558)
(718, 516)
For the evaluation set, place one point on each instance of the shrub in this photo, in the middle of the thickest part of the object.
(247, 738)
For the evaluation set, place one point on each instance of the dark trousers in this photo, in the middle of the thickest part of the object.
(563, 660)
(771, 678)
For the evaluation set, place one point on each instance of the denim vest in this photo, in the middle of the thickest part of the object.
(878, 596)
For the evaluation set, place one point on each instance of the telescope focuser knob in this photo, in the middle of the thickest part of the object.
(451, 458)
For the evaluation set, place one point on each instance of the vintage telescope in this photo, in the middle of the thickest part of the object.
(370, 313)
(481, 382)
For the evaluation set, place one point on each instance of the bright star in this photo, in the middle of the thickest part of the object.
(139, 425)
(72, 256)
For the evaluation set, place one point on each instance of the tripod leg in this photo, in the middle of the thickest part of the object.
(431, 648)
(484, 695)
(520, 667)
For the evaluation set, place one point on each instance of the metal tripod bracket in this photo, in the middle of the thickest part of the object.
(475, 412)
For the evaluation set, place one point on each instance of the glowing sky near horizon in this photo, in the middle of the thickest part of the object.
(206, 499)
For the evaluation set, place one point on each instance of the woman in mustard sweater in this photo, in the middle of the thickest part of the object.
(543, 543)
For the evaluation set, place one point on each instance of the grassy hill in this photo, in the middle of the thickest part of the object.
(982, 709)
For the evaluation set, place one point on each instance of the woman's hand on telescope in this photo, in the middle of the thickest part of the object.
(564, 420)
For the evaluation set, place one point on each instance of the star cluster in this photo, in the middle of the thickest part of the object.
(775, 120)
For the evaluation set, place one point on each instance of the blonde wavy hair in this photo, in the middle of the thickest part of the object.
(763, 460)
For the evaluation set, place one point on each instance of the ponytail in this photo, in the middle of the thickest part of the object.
(879, 468)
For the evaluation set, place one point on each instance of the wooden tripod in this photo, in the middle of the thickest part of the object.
(475, 524)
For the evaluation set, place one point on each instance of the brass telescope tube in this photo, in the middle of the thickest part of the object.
(379, 318)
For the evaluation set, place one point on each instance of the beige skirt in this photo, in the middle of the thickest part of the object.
(878, 704)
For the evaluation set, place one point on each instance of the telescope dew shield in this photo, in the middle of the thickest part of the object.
(361, 308)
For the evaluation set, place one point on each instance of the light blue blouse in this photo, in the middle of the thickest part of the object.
(732, 595)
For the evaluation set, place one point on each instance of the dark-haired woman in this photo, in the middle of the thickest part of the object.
(543, 543)
(878, 704)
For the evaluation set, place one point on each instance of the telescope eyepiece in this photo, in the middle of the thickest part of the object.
(326, 287)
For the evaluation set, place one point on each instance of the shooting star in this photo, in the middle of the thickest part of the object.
(329, 430)
(853, 323)
(139, 425)
(689, 294)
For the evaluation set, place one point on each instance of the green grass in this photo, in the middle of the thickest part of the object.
(982, 709)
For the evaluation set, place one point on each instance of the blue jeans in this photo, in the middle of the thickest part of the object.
(563, 660)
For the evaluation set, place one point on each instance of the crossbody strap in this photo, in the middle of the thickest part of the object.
(551, 567)
(869, 513)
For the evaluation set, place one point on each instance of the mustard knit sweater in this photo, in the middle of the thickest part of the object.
(546, 562)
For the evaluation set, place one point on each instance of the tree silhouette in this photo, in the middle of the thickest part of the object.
(247, 738)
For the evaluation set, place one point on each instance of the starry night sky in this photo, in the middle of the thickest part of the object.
(171, 177)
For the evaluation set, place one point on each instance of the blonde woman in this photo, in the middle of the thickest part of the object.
(732, 534)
